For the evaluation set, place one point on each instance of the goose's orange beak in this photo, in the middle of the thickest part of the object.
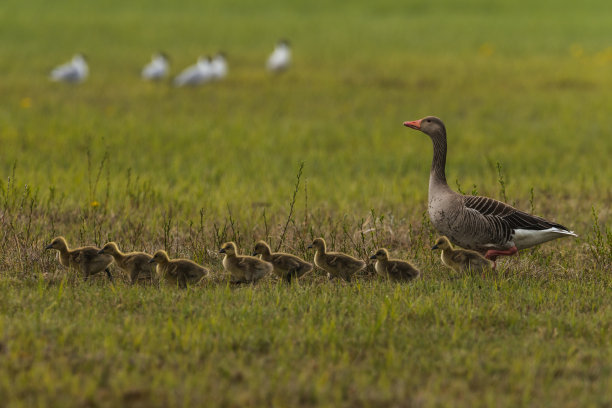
(415, 124)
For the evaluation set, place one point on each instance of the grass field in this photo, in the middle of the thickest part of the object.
(524, 91)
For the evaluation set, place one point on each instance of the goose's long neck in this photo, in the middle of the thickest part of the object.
(438, 164)
(437, 175)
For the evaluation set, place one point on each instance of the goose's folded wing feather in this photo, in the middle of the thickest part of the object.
(513, 218)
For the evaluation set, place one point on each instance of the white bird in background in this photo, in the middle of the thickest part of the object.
(280, 59)
(74, 71)
(196, 74)
(157, 68)
(219, 66)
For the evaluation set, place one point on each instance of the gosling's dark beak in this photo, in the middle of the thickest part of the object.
(373, 257)
(50, 246)
(310, 246)
(434, 247)
(151, 260)
(255, 253)
(222, 251)
(100, 252)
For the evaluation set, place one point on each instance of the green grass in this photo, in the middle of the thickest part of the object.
(519, 85)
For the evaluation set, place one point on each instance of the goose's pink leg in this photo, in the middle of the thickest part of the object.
(492, 254)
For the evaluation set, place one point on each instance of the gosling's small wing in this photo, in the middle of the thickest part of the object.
(75, 257)
(250, 263)
(460, 257)
(395, 269)
(89, 254)
(139, 262)
(344, 261)
(402, 270)
(286, 262)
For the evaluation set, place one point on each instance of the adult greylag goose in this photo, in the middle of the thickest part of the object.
(242, 268)
(336, 264)
(286, 266)
(135, 264)
(177, 271)
(393, 269)
(85, 259)
(461, 260)
(479, 223)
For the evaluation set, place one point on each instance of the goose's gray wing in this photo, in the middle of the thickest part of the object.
(507, 214)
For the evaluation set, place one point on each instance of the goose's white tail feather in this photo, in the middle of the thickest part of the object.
(527, 238)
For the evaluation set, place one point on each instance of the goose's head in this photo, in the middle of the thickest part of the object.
(58, 243)
(318, 244)
(442, 243)
(381, 255)
(429, 125)
(229, 248)
(109, 248)
(160, 257)
(261, 248)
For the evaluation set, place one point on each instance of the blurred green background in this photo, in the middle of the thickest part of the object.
(525, 84)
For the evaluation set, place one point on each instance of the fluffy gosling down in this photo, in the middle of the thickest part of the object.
(85, 259)
(286, 266)
(243, 269)
(135, 264)
(393, 269)
(461, 260)
(336, 264)
(177, 272)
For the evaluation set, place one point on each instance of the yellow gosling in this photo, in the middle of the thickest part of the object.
(242, 268)
(135, 264)
(286, 266)
(461, 260)
(85, 259)
(177, 272)
(393, 269)
(336, 264)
